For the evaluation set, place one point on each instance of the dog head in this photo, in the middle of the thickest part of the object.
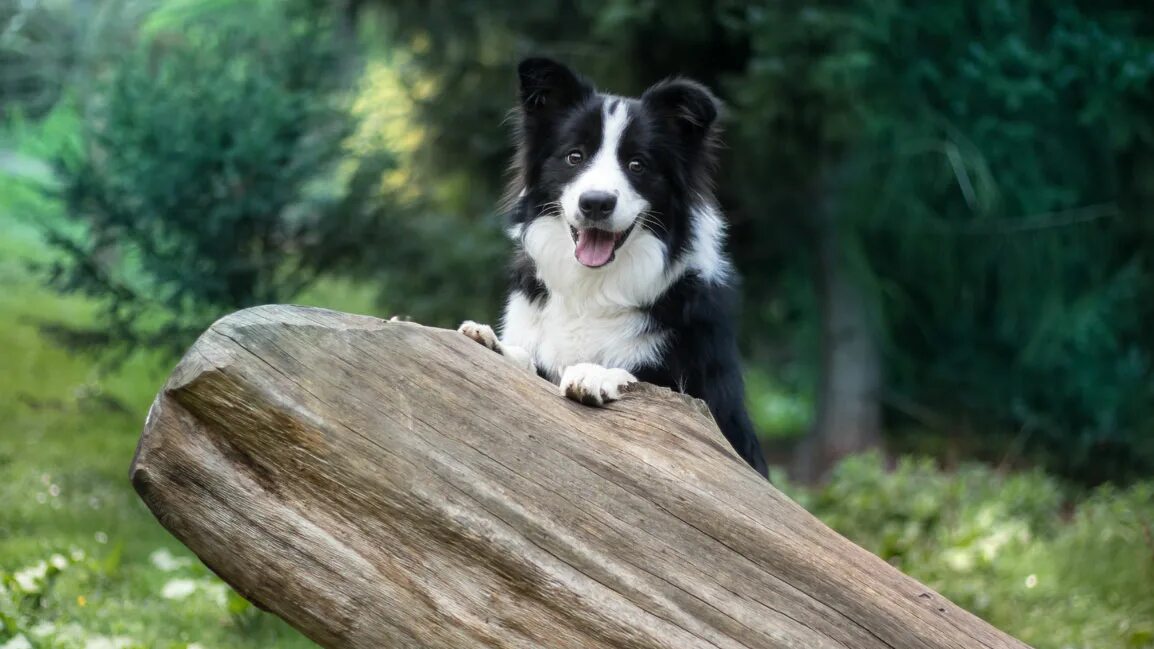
(602, 175)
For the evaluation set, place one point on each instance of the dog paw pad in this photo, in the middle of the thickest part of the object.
(594, 385)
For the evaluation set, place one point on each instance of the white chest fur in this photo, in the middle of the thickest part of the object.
(591, 315)
(596, 315)
(560, 333)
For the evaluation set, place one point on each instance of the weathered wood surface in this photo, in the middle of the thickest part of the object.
(387, 485)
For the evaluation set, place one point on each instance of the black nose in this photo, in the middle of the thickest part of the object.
(597, 206)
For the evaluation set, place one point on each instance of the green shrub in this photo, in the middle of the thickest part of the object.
(1012, 548)
(206, 178)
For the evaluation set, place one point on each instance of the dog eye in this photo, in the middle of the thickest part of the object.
(636, 166)
(574, 158)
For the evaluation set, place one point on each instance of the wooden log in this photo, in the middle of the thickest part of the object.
(384, 484)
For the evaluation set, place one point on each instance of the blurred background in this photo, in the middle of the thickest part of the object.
(943, 215)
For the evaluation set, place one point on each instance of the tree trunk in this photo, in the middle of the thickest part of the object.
(848, 414)
(390, 485)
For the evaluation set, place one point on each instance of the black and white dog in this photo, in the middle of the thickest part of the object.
(619, 274)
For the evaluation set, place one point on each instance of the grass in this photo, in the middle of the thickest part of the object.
(67, 435)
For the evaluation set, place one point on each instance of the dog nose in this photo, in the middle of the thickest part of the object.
(597, 206)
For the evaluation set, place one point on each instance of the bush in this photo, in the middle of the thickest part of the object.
(1013, 549)
(205, 182)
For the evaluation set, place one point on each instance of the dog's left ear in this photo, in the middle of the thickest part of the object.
(689, 108)
(549, 87)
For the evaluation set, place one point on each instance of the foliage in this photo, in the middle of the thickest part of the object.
(66, 431)
(433, 260)
(34, 54)
(989, 166)
(66, 436)
(775, 410)
(1051, 568)
(48, 47)
(201, 182)
(996, 208)
(992, 164)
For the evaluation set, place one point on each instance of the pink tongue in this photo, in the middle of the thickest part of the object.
(594, 247)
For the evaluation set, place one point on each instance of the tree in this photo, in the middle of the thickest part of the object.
(205, 180)
(922, 168)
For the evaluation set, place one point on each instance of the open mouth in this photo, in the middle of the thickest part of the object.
(596, 247)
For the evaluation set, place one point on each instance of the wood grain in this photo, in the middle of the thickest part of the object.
(386, 484)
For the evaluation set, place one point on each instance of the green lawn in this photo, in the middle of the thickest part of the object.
(111, 576)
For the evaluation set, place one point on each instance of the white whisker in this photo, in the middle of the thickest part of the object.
(552, 208)
(652, 219)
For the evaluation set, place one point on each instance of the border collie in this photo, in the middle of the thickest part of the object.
(619, 274)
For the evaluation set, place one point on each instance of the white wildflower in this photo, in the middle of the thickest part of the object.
(959, 559)
(29, 579)
(58, 561)
(102, 642)
(166, 561)
(18, 642)
(216, 591)
(178, 589)
(69, 635)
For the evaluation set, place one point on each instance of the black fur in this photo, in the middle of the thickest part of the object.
(702, 358)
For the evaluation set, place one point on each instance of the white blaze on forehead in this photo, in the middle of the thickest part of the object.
(604, 172)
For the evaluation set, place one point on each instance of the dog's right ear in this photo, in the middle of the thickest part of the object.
(548, 87)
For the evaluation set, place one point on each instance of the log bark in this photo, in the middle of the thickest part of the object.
(382, 484)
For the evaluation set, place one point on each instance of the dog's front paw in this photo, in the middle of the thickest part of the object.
(482, 334)
(594, 385)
